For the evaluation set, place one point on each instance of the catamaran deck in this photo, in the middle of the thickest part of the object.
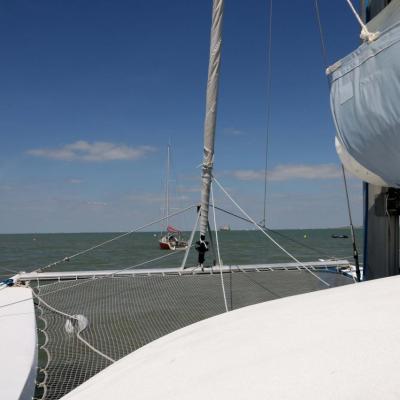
(128, 309)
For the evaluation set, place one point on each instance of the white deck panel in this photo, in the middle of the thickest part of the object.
(18, 344)
(23, 276)
(341, 343)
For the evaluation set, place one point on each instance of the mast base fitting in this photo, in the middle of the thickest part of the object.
(388, 202)
(393, 201)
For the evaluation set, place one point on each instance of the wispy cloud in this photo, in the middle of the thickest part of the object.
(95, 151)
(153, 198)
(6, 188)
(74, 181)
(233, 132)
(184, 189)
(146, 198)
(290, 172)
(96, 204)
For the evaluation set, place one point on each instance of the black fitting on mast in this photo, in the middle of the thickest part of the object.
(201, 246)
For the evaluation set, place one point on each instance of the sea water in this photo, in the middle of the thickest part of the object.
(157, 296)
(27, 252)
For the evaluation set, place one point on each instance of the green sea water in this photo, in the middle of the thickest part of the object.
(27, 252)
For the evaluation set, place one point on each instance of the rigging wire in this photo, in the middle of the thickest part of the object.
(211, 241)
(325, 62)
(183, 264)
(218, 252)
(269, 81)
(65, 259)
(105, 276)
(353, 237)
(113, 273)
(322, 40)
(269, 236)
(314, 249)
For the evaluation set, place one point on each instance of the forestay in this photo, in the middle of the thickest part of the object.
(365, 104)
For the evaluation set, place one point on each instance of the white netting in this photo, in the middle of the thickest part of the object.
(119, 315)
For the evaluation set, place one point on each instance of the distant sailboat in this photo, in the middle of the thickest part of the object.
(172, 239)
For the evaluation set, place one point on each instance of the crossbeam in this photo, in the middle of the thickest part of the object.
(74, 275)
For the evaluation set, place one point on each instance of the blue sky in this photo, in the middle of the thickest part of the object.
(91, 93)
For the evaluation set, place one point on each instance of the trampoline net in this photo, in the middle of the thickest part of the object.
(125, 313)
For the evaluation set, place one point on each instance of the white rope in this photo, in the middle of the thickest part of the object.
(365, 35)
(190, 241)
(268, 236)
(113, 239)
(218, 253)
(79, 337)
(268, 119)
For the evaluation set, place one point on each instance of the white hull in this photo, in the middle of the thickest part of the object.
(340, 343)
(166, 244)
(18, 344)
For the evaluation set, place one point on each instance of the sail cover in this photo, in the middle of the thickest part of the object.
(365, 99)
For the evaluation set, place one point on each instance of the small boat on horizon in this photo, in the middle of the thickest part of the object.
(339, 236)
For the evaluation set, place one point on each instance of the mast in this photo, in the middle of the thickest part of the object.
(211, 112)
(167, 186)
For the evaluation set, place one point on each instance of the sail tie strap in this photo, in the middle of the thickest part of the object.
(366, 35)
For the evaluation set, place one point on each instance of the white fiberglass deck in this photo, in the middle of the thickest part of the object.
(17, 343)
(341, 343)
